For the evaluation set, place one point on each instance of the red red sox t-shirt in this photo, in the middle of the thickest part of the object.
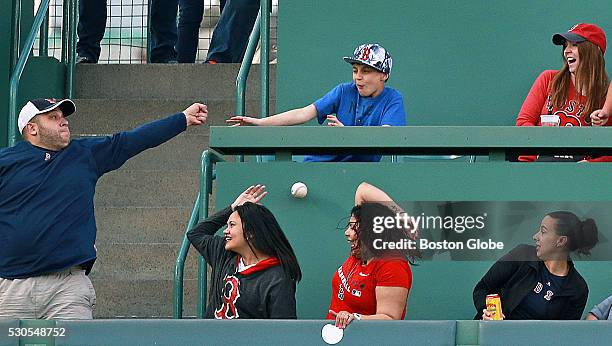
(539, 101)
(354, 285)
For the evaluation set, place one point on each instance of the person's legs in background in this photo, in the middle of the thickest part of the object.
(231, 36)
(190, 17)
(92, 22)
(163, 30)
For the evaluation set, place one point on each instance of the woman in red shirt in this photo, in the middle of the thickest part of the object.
(577, 90)
(373, 283)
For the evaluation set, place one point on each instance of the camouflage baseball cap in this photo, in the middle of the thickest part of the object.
(372, 54)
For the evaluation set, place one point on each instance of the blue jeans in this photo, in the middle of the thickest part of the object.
(163, 30)
(231, 36)
(92, 22)
(190, 17)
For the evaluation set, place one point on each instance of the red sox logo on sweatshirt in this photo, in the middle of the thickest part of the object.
(571, 113)
(231, 293)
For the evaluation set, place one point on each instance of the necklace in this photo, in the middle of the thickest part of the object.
(351, 272)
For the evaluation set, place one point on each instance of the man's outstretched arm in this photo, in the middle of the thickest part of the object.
(111, 152)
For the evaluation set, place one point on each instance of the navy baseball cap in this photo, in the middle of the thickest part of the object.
(40, 106)
(373, 55)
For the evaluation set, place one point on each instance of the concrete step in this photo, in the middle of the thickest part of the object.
(107, 116)
(141, 261)
(166, 81)
(154, 188)
(158, 225)
(141, 298)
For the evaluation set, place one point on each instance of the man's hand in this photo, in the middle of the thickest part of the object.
(196, 114)
(332, 120)
(253, 194)
(599, 118)
(241, 120)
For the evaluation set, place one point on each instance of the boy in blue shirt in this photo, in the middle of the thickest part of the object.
(364, 102)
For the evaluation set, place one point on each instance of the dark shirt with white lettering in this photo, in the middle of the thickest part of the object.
(535, 304)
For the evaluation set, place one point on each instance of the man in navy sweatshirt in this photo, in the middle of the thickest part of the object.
(47, 223)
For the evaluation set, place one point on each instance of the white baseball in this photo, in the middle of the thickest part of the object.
(331, 334)
(299, 190)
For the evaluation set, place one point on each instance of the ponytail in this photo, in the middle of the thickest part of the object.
(582, 235)
(587, 237)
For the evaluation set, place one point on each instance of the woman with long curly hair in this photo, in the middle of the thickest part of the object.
(373, 283)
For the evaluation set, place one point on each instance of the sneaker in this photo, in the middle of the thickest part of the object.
(84, 60)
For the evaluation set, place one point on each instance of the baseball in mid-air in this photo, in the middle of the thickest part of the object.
(299, 190)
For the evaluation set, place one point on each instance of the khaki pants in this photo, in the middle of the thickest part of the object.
(64, 295)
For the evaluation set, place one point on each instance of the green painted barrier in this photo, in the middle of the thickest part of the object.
(290, 332)
(6, 339)
(410, 140)
(501, 333)
(442, 289)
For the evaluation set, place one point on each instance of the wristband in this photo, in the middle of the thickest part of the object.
(357, 316)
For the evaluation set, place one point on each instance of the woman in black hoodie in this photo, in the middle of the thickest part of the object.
(254, 268)
(540, 282)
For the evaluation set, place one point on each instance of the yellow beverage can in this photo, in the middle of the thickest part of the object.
(493, 303)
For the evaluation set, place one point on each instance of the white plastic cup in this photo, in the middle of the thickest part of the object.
(549, 120)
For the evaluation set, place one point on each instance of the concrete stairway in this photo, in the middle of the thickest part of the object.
(142, 208)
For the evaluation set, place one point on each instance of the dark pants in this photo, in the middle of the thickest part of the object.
(231, 36)
(92, 22)
(190, 17)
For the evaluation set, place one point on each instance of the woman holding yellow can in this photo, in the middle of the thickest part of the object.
(540, 282)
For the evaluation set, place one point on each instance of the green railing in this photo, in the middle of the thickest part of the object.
(19, 63)
(493, 141)
(261, 29)
(245, 67)
(199, 212)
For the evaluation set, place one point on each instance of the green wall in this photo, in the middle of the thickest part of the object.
(442, 289)
(467, 62)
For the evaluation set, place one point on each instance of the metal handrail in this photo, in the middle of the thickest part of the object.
(69, 30)
(20, 65)
(264, 61)
(199, 212)
(69, 46)
(245, 67)
(261, 29)
(179, 267)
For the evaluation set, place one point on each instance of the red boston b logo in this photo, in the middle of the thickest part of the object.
(231, 293)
